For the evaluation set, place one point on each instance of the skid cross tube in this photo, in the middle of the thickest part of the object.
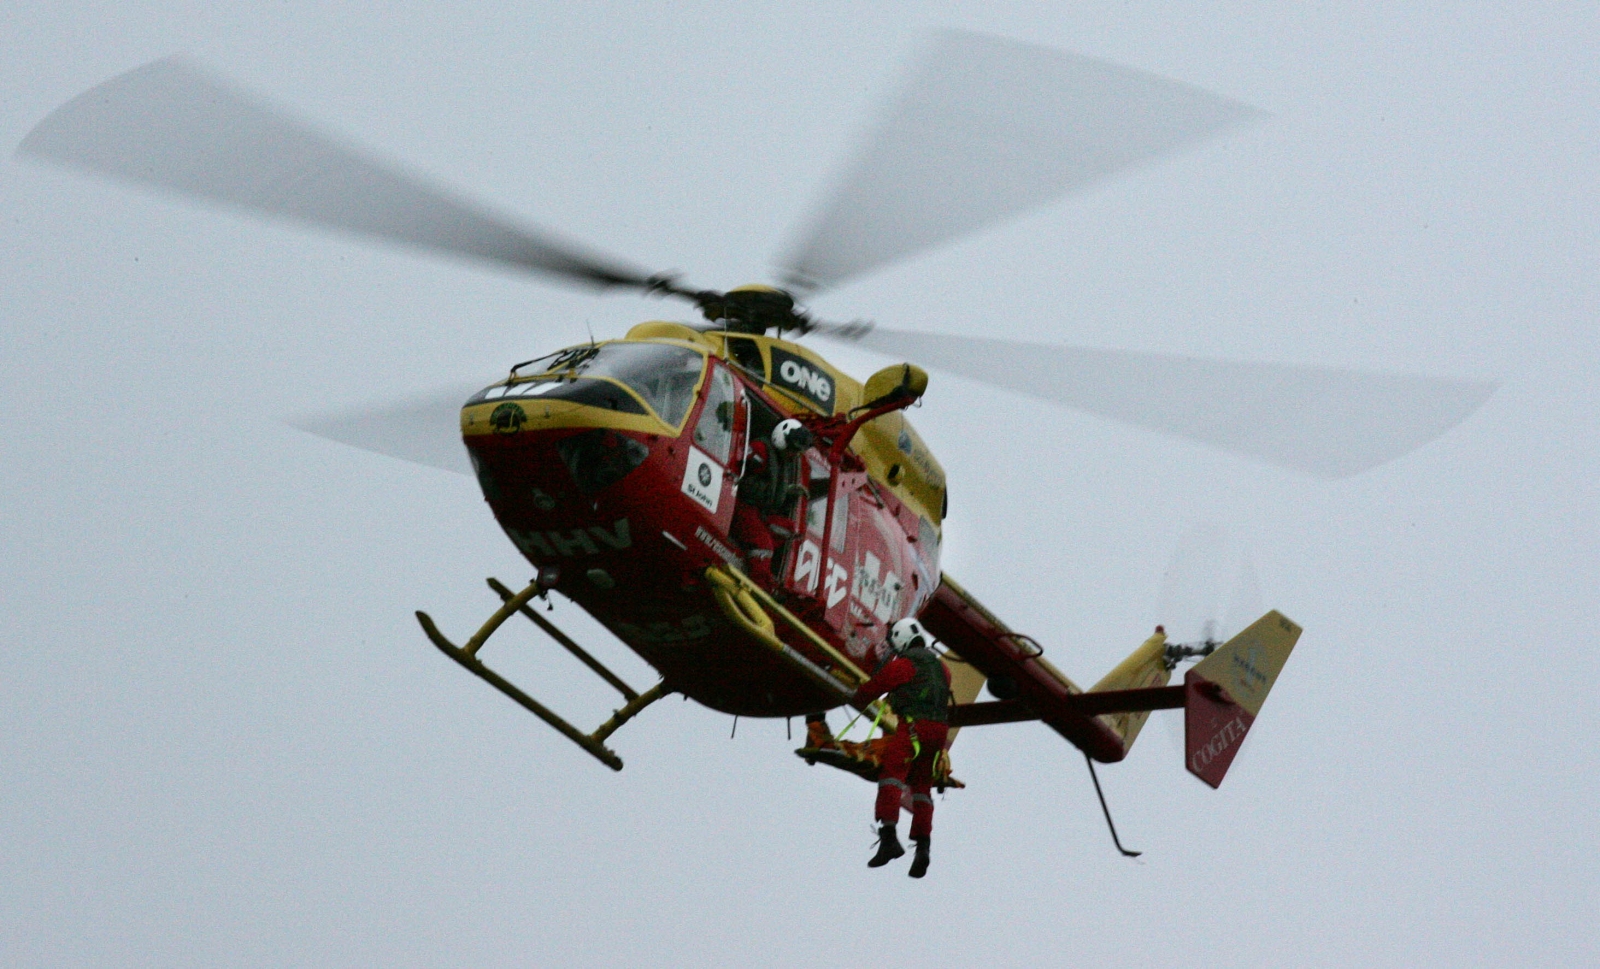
(555, 633)
(467, 656)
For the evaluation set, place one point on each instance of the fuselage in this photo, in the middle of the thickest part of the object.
(621, 465)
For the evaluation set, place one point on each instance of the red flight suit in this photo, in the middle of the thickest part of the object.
(754, 529)
(910, 753)
(750, 530)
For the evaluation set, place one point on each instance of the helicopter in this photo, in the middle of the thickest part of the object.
(622, 469)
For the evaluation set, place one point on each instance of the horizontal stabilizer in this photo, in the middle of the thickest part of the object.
(1145, 669)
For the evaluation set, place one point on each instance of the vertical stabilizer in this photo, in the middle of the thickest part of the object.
(1224, 693)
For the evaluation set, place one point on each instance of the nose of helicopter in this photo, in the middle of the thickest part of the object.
(523, 414)
(545, 436)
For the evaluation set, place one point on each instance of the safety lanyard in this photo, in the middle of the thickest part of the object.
(875, 721)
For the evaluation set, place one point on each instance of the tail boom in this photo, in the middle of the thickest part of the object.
(1221, 696)
(1043, 692)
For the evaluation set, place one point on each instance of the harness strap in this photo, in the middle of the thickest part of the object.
(875, 721)
(916, 744)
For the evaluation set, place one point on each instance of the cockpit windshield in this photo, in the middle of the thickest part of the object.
(663, 376)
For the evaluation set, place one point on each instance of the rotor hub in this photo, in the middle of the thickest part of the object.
(752, 309)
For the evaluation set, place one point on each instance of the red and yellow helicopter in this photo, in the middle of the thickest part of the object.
(619, 467)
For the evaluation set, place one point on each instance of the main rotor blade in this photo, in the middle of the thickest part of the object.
(423, 429)
(1323, 421)
(174, 125)
(984, 130)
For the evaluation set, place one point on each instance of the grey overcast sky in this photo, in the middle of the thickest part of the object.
(223, 740)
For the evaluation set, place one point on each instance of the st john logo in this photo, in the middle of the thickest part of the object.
(702, 480)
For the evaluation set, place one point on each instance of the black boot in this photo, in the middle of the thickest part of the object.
(888, 846)
(919, 864)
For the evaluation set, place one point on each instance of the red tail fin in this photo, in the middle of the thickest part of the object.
(1224, 693)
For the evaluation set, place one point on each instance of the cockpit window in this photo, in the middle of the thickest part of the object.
(714, 431)
(664, 376)
(745, 353)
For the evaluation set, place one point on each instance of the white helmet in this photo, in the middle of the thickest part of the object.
(790, 434)
(906, 634)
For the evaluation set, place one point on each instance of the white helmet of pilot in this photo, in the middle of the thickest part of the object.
(791, 435)
(907, 634)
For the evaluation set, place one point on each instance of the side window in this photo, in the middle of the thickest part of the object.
(816, 496)
(841, 521)
(713, 433)
(748, 355)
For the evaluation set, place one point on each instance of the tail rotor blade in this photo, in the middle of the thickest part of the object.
(984, 130)
(1245, 601)
(173, 125)
(1323, 421)
(1191, 585)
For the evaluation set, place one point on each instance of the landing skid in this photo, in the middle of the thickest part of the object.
(467, 656)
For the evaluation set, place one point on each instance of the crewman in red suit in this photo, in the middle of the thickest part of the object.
(754, 517)
(918, 684)
(749, 524)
